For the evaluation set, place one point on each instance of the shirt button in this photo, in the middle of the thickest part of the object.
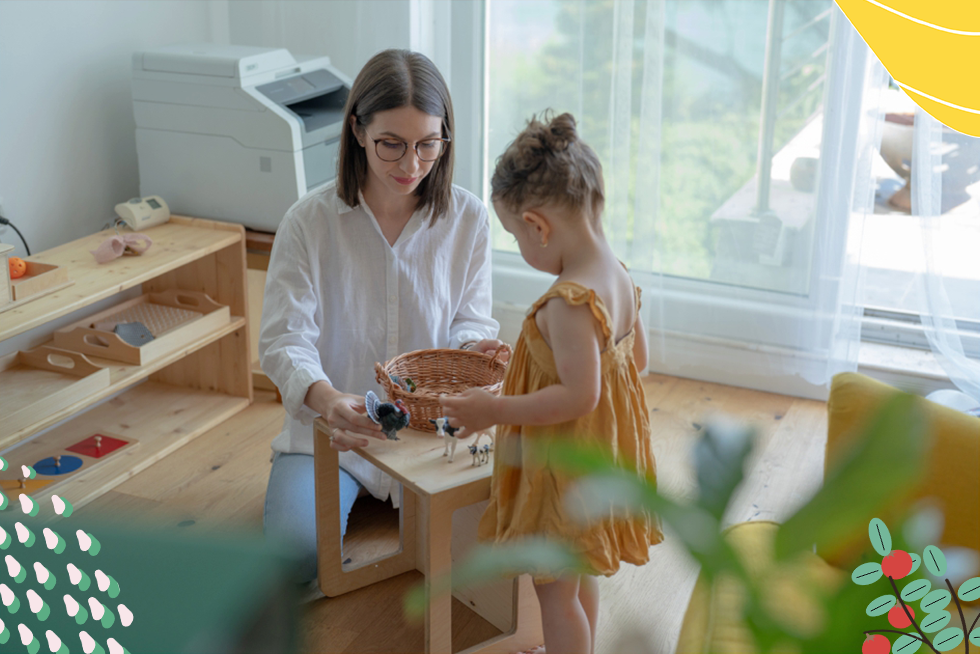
(391, 339)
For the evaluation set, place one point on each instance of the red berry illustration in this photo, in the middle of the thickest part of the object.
(897, 564)
(876, 644)
(897, 617)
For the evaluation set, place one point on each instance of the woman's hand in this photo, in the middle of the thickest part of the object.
(474, 409)
(490, 346)
(345, 415)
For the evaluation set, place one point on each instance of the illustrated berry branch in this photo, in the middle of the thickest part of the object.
(898, 564)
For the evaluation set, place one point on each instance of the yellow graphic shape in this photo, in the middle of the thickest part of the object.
(929, 49)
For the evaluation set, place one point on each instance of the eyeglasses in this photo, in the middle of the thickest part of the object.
(392, 149)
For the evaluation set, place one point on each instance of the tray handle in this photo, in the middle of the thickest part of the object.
(97, 342)
(189, 300)
(61, 361)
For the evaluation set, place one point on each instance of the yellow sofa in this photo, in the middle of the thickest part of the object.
(712, 623)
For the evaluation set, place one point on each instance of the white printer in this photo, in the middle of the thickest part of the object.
(235, 133)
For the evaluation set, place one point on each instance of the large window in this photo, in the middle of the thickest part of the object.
(716, 96)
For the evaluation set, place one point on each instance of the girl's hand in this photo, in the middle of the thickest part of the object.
(490, 346)
(474, 409)
(345, 415)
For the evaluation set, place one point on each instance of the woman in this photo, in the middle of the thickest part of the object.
(389, 258)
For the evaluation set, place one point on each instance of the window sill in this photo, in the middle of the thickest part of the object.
(907, 368)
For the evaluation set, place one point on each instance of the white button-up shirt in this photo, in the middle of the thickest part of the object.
(339, 298)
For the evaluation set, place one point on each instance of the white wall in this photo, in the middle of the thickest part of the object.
(67, 135)
(347, 31)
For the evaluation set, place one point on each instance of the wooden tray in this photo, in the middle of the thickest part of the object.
(42, 381)
(175, 318)
(40, 279)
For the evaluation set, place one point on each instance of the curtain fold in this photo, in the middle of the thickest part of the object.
(939, 152)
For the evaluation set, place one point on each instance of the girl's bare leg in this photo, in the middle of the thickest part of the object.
(588, 597)
(563, 620)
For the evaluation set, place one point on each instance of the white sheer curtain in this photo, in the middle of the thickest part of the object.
(789, 336)
(737, 140)
(947, 236)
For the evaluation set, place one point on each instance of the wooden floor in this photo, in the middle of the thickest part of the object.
(218, 482)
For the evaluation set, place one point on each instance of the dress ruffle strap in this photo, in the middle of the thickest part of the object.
(576, 295)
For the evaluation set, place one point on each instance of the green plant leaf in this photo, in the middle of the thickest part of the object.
(881, 538)
(935, 561)
(866, 573)
(935, 621)
(915, 590)
(975, 637)
(719, 459)
(906, 645)
(599, 475)
(969, 590)
(937, 600)
(486, 564)
(885, 461)
(881, 605)
(916, 562)
(947, 639)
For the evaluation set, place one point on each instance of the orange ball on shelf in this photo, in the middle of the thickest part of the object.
(18, 267)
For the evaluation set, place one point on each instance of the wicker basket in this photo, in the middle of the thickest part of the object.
(437, 372)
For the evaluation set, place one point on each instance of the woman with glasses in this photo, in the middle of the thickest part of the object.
(388, 258)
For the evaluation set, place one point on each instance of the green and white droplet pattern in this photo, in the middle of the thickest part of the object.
(79, 599)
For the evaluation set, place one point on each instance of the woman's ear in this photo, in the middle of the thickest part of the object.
(538, 222)
(355, 128)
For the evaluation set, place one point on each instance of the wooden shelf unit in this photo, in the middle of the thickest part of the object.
(183, 393)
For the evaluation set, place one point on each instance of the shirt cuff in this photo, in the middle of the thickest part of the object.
(294, 395)
(463, 336)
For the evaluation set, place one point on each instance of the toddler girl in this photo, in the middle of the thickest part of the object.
(573, 375)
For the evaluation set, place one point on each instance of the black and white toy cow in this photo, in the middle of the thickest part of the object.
(448, 434)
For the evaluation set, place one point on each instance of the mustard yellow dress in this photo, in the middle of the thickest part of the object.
(529, 498)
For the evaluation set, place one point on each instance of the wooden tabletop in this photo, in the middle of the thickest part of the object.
(416, 460)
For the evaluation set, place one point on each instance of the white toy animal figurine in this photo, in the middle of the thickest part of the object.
(488, 434)
(475, 451)
(485, 454)
(448, 434)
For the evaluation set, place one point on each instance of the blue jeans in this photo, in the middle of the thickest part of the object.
(289, 516)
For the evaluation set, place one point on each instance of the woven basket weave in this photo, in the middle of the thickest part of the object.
(436, 372)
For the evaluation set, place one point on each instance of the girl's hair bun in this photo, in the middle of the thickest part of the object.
(547, 162)
(560, 132)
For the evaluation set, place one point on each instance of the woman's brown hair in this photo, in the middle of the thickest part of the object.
(390, 80)
(548, 163)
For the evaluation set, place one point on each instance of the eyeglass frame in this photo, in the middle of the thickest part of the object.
(415, 147)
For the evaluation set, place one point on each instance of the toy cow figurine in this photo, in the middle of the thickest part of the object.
(485, 454)
(448, 434)
(489, 435)
(475, 451)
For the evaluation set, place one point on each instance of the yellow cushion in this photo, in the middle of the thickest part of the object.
(950, 478)
(713, 623)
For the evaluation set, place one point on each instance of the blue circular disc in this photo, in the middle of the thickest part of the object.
(68, 464)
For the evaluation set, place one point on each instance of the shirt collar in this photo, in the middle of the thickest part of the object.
(342, 207)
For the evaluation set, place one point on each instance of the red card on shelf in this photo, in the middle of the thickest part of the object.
(88, 448)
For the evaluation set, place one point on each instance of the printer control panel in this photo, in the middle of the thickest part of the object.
(301, 87)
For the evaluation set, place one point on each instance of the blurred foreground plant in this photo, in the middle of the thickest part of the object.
(888, 458)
